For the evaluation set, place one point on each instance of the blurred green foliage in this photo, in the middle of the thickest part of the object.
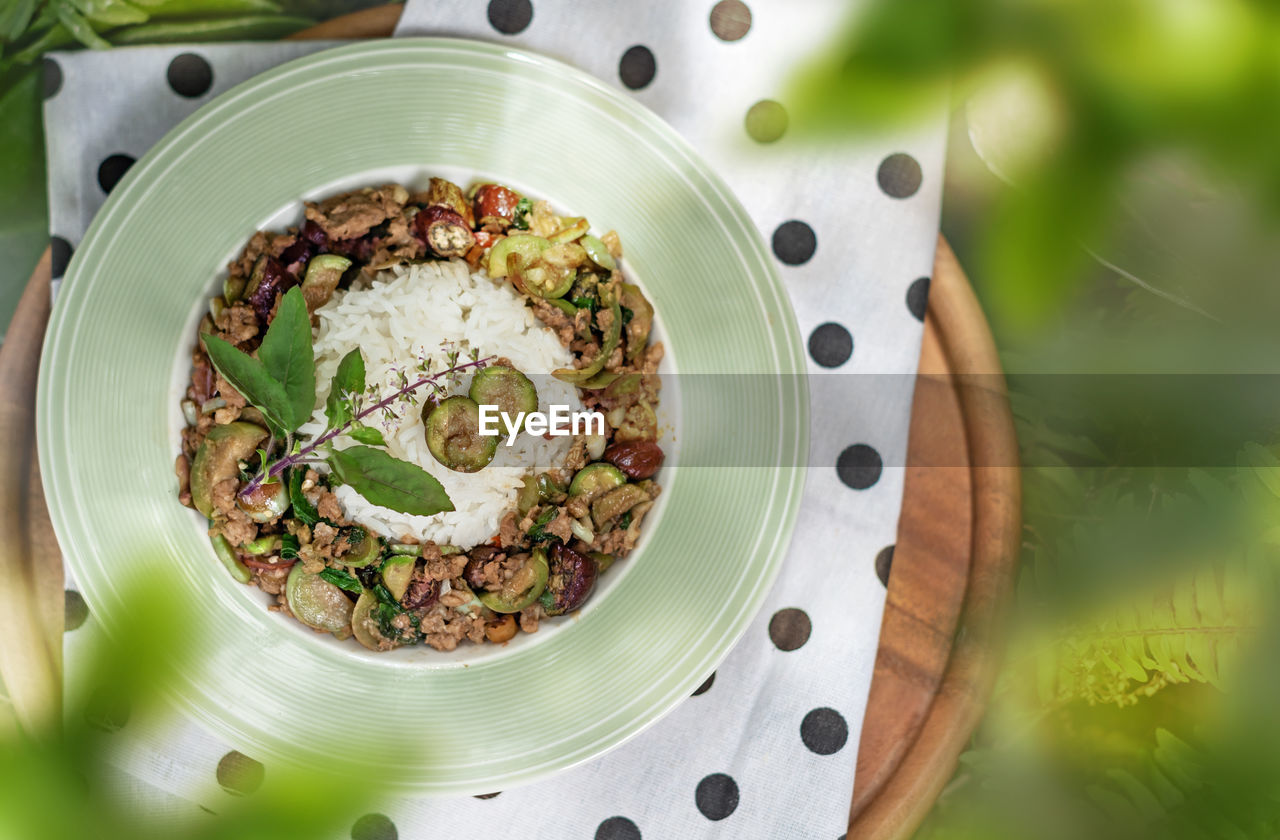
(1112, 85)
(1113, 190)
(60, 783)
(29, 28)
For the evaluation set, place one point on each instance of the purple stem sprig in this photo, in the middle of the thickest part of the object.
(304, 454)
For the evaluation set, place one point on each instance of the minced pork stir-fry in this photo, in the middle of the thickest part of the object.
(282, 498)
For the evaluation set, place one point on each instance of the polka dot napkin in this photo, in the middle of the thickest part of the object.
(766, 747)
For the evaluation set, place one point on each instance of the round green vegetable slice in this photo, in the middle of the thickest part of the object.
(526, 246)
(535, 571)
(453, 435)
(363, 626)
(218, 459)
(269, 500)
(546, 281)
(507, 388)
(317, 603)
(596, 479)
(366, 550)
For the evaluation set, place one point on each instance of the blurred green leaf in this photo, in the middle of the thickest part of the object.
(55, 37)
(63, 784)
(325, 9)
(186, 9)
(79, 28)
(15, 17)
(1129, 79)
(24, 231)
(108, 13)
(247, 27)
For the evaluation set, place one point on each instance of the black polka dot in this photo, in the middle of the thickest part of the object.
(60, 252)
(239, 774)
(717, 796)
(510, 17)
(830, 345)
(730, 20)
(824, 731)
(918, 298)
(374, 827)
(617, 828)
(76, 610)
(637, 67)
(111, 170)
(52, 77)
(884, 562)
(108, 711)
(859, 466)
(790, 628)
(794, 242)
(190, 75)
(899, 175)
(766, 121)
(706, 685)
(487, 795)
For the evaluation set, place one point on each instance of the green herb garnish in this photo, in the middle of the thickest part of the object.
(387, 611)
(303, 510)
(520, 219)
(281, 384)
(390, 482)
(537, 531)
(342, 579)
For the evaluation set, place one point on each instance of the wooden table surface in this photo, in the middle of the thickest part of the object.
(951, 571)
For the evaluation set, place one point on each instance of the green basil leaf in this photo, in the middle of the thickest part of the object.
(250, 377)
(342, 579)
(348, 380)
(390, 482)
(387, 611)
(289, 547)
(537, 531)
(286, 353)
(367, 434)
(303, 510)
(520, 219)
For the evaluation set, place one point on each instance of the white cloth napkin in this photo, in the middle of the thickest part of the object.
(766, 748)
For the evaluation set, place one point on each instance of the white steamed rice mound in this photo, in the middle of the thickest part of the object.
(403, 316)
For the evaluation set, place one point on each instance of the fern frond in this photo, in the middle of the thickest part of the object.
(1191, 631)
(1171, 796)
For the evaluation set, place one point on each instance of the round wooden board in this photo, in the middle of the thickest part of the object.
(952, 566)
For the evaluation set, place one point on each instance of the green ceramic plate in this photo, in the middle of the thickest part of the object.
(117, 354)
